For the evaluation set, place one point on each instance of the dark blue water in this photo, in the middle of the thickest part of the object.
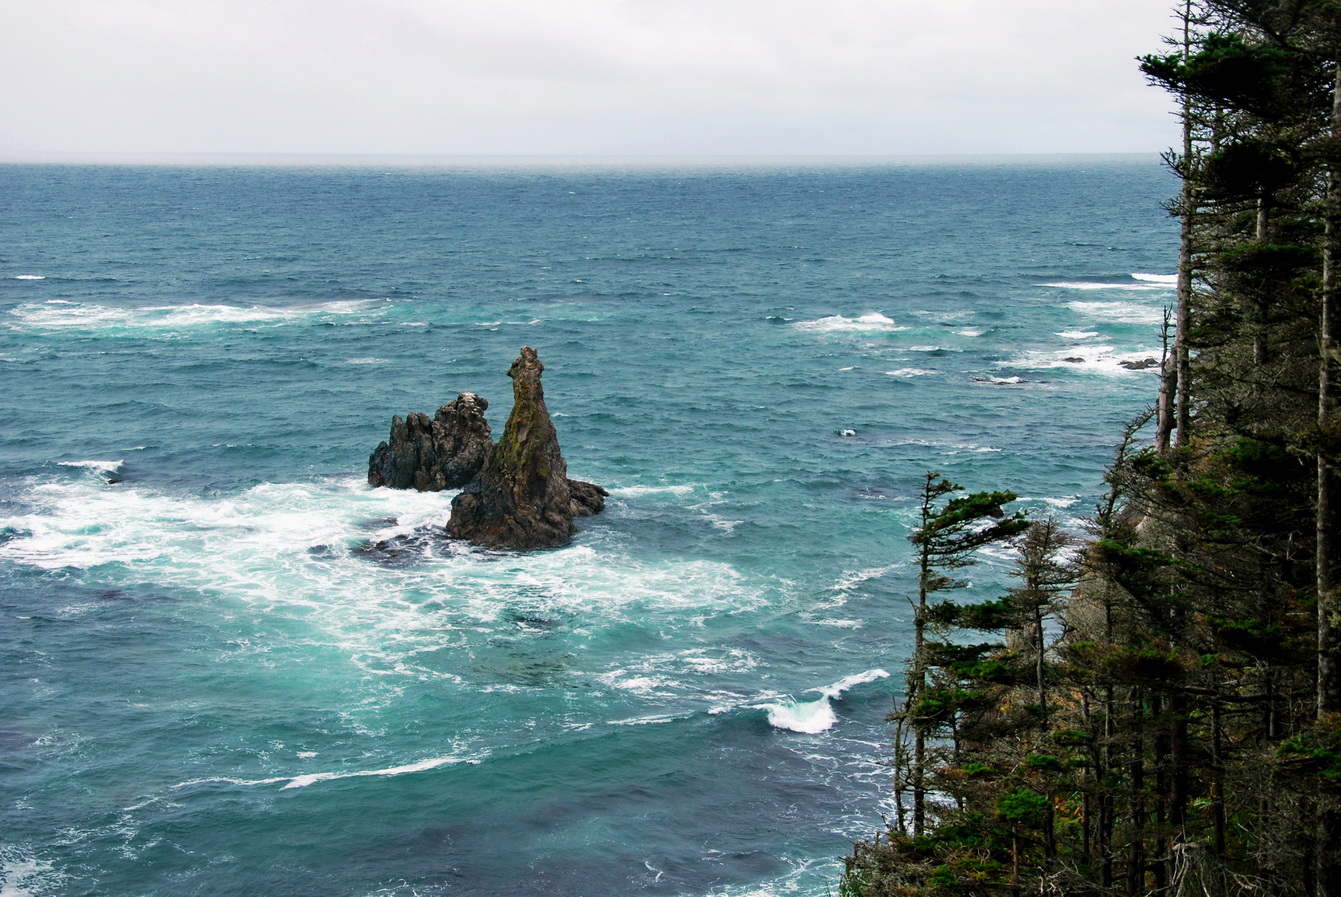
(208, 684)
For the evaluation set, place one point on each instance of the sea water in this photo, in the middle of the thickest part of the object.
(214, 682)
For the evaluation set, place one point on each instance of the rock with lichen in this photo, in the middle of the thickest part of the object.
(522, 498)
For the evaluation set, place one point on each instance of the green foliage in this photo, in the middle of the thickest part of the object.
(1043, 762)
(1022, 806)
(1317, 749)
(984, 616)
(1072, 737)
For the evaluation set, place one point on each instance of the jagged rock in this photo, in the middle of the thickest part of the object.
(1144, 364)
(445, 452)
(588, 498)
(522, 497)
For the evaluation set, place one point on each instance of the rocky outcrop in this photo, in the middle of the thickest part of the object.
(1143, 364)
(445, 452)
(522, 498)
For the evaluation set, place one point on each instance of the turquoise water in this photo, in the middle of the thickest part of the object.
(211, 684)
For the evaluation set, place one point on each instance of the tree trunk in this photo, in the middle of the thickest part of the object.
(1329, 602)
(1183, 321)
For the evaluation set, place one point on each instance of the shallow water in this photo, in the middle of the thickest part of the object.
(214, 683)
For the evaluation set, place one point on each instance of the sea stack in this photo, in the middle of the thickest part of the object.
(522, 498)
(445, 452)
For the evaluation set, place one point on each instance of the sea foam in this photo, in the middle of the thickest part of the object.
(1122, 312)
(813, 717)
(303, 781)
(840, 323)
(162, 320)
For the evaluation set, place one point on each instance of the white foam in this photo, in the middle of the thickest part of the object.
(1168, 279)
(644, 721)
(422, 766)
(1121, 312)
(848, 682)
(972, 331)
(166, 319)
(842, 323)
(100, 466)
(1000, 381)
(1056, 502)
(1094, 359)
(814, 717)
(24, 875)
(30, 277)
(306, 779)
(908, 373)
(807, 717)
(1078, 334)
(1139, 286)
(952, 448)
(851, 579)
(640, 491)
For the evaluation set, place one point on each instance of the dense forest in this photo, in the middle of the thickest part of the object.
(1154, 707)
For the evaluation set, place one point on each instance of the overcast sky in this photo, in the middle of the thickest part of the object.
(602, 77)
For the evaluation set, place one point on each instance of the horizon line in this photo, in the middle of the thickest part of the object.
(550, 160)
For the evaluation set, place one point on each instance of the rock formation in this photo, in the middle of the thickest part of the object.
(445, 452)
(522, 497)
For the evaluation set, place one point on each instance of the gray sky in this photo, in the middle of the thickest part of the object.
(604, 77)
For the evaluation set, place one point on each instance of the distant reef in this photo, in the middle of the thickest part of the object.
(514, 494)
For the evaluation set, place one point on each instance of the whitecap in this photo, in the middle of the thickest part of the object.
(1056, 502)
(1122, 312)
(1078, 334)
(1168, 279)
(850, 580)
(1140, 286)
(421, 766)
(24, 875)
(640, 683)
(169, 319)
(999, 381)
(842, 323)
(806, 717)
(1090, 359)
(908, 373)
(814, 717)
(639, 491)
(30, 277)
(100, 466)
(970, 332)
(643, 721)
(363, 572)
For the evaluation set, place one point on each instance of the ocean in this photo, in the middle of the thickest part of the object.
(212, 680)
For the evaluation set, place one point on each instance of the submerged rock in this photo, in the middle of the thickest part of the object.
(445, 452)
(522, 497)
